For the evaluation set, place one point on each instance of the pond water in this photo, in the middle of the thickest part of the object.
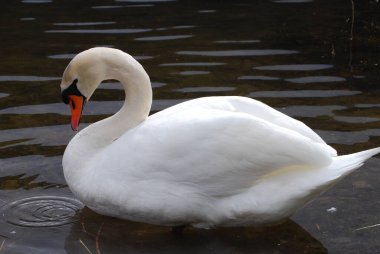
(317, 61)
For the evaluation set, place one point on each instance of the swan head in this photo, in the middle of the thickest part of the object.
(80, 79)
(89, 68)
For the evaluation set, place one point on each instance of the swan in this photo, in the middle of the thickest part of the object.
(213, 161)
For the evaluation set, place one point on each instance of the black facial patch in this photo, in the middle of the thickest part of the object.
(71, 90)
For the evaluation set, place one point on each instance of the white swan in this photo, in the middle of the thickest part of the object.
(213, 161)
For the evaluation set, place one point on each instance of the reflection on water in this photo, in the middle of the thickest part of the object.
(92, 108)
(316, 79)
(294, 67)
(302, 93)
(36, 1)
(192, 64)
(62, 56)
(174, 27)
(107, 7)
(118, 86)
(84, 23)
(191, 73)
(356, 119)
(348, 137)
(207, 11)
(247, 52)
(27, 78)
(311, 111)
(14, 182)
(258, 78)
(163, 38)
(45, 136)
(27, 19)
(293, 1)
(243, 41)
(205, 89)
(100, 31)
(109, 235)
(70, 56)
(295, 55)
(145, 1)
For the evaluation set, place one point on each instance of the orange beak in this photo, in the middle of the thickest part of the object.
(76, 105)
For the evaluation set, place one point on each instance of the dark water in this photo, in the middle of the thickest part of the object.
(317, 61)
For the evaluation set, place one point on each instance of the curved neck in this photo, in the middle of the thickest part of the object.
(138, 94)
(111, 64)
(138, 100)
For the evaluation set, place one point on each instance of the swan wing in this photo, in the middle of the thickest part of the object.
(217, 152)
(251, 107)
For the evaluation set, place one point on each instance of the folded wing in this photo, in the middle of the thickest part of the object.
(227, 151)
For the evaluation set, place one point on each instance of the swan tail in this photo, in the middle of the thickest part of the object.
(293, 187)
(345, 164)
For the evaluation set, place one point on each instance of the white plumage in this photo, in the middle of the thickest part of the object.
(213, 161)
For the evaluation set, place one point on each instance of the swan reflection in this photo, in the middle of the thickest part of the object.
(109, 235)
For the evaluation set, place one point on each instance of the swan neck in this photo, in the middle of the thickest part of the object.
(138, 91)
(87, 144)
(138, 96)
(137, 104)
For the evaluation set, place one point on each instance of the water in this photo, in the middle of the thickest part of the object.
(296, 56)
(42, 211)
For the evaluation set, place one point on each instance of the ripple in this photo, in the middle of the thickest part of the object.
(294, 67)
(139, 5)
(316, 79)
(27, 19)
(348, 137)
(111, 86)
(145, 1)
(257, 78)
(142, 57)
(101, 31)
(189, 73)
(302, 93)
(233, 42)
(175, 27)
(36, 1)
(2, 95)
(193, 64)
(56, 135)
(62, 56)
(293, 1)
(355, 119)
(163, 38)
(107, 7)
(205, 89)
(206, 11)
(367, 105)
(42, 211)
(92, 108)
(85, 23)
(118, 86)
(311, 111)
(183, 27)
(70, 56)
(27, 78)
(248, 52)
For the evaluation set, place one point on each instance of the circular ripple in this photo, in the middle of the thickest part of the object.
(42, 211)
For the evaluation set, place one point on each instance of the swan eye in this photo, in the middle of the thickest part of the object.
(71, 90)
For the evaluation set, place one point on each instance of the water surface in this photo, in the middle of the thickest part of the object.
(309, 59)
